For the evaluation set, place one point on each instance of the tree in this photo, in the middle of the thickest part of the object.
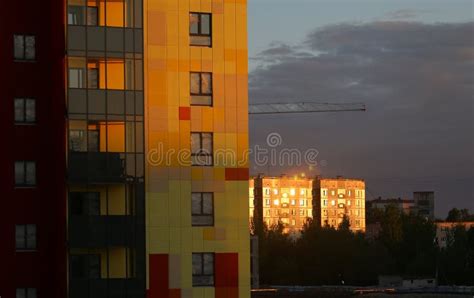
(454, 215)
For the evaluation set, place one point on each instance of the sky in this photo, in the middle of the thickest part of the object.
(411, 63)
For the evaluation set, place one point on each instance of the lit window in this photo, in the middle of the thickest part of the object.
(325, 202)
(302, 191)
(25, 111)
(333, 203)
(25, 173)
(349, 192)
(201, 149)
(200, 29)
(348, 202)
(201, 88)
(276, 202)
(25, 237)
(292, 192)
(203, 269)
(275, 191)
(333, 193)
(26, 293)
(202, 209)
(293, 202)
(302, 202)
(24, 47)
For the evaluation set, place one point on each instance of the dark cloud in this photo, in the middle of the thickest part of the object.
(417, 81)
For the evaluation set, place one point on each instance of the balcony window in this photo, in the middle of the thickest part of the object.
(25, 173)
(85, 266)
(202, 149)
(25, 110)
(25, 293)
(201, 88)
(203, 269)
(84, 203)
(24, 47)
(25, 237)
(200, 29)
(101, 136)
(202, 207)
(111, 13)
(101, 73)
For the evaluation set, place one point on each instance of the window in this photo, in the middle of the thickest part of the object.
(203, 269)
(25, 173)
(202, 208)
(267, 191)
(24, 47)
(201, 88)
(201, 149)
(267, 202)
(275, 191)
(293, 202)
(76, 78)
(333, 203)
(348, 192)
(85, 266)
(325, 192)
(302, 202)
(200, 26)
(26, 293)
(84, 203)
(25, 110)
(325, 202)
(302, 212)
(333, 193)
(292, 192)
(25, 237)
(325, 212)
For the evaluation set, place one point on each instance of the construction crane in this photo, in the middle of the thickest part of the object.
(303, 107)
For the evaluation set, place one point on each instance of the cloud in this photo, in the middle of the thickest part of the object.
(417, 80)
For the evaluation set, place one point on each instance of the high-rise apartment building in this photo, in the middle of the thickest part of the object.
(334, 199)
(280, 199)
(197, 114)
(126, 170)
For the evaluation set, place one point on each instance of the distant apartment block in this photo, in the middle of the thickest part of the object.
(422, 204)
(336, 198)
(405, 205)
(293, 201)
(281, 199)
(445, 231)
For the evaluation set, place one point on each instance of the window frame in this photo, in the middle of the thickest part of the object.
(202, 274)
(199, 24)
(23, 57)
(27, 293)
(27, 241)
(24, 183)
(201, 93)
(202, 214)
(210, 154)
(25, 121)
